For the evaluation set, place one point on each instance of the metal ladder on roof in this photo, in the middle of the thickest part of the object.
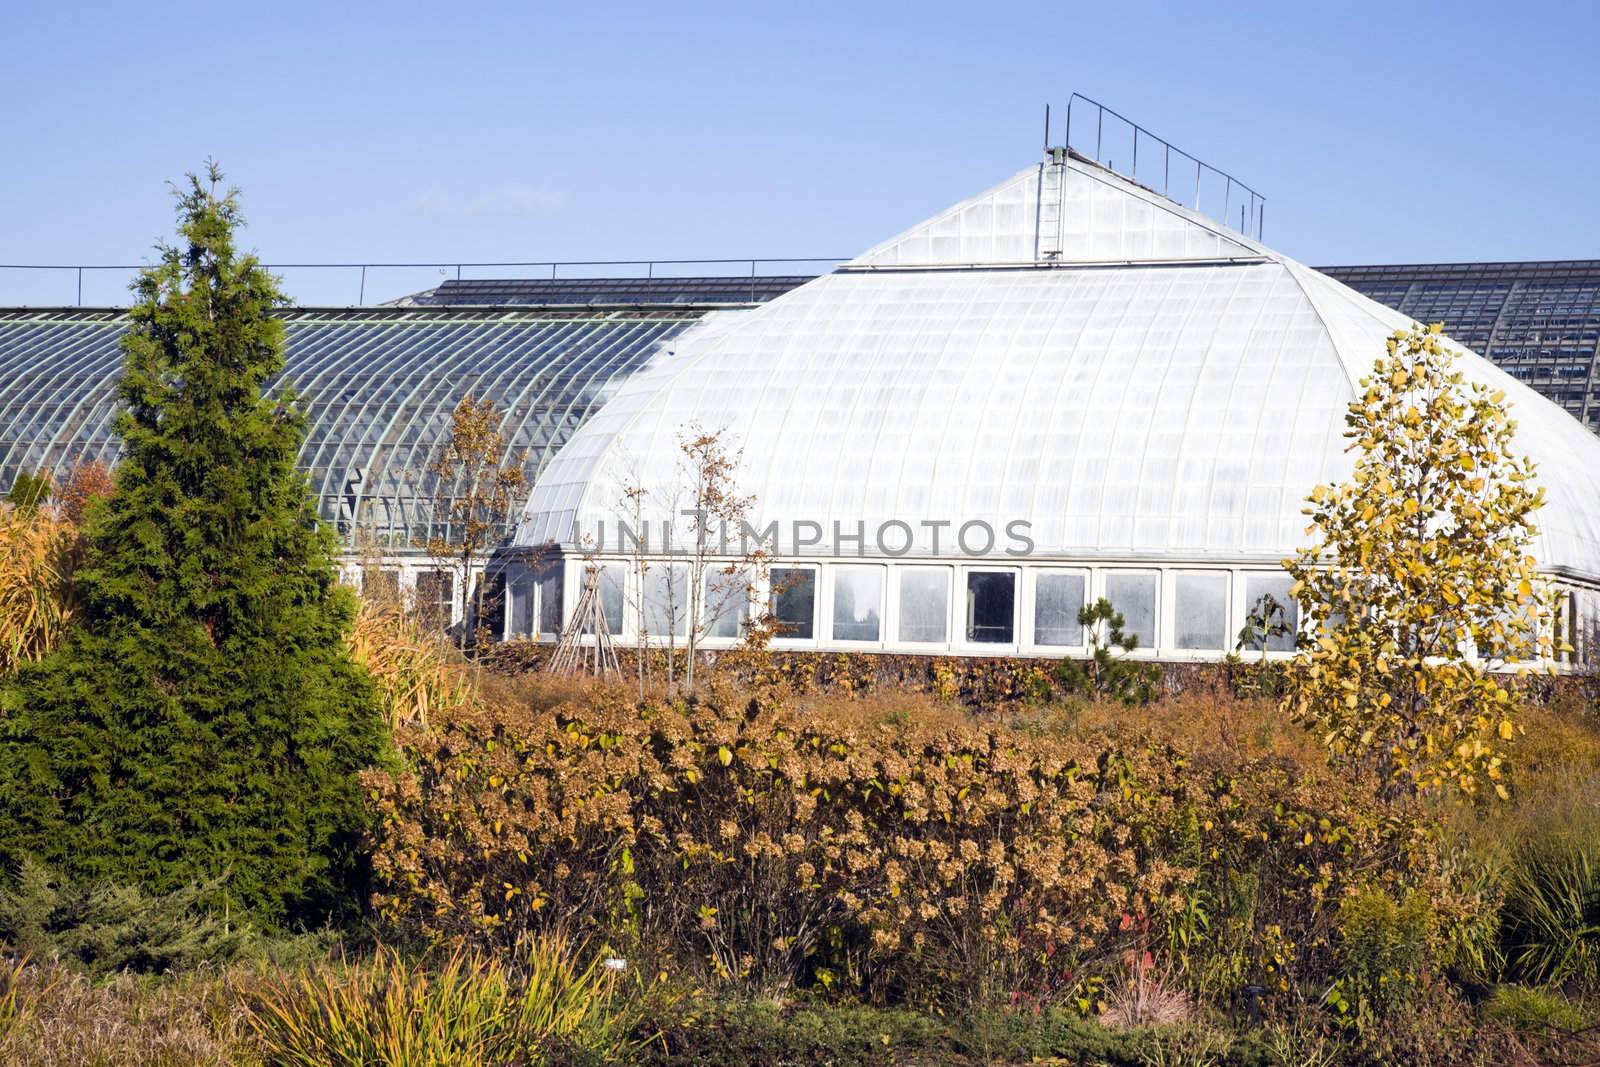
(1050, 220)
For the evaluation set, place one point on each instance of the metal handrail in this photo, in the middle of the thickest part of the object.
(1252, 213)
(555, 266)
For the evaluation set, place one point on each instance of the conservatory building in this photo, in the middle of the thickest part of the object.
(1064, 388)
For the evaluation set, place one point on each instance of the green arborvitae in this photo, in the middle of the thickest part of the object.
(203, 723)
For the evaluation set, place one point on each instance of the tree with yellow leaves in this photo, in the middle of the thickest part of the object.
(1422, 601)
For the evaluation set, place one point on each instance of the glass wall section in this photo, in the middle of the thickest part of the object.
(609, 585)
(727, 602)
(1057, 600)
(435, 599)
(857, 603)
(991, 607)
(1200, 611)
(1134, 596)
(666, 600)
(550, 590)
(381, 585)
(519, 610)
(794, 602)
(924, 605)
(1268, 606)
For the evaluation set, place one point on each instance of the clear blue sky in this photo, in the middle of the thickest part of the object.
(1381, 132)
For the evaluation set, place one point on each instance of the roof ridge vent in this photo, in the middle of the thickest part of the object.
(1168, 170)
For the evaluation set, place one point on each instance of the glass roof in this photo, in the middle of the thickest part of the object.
(1068, 349)
(380, 386)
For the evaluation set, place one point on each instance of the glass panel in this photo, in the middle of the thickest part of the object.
(991, 607)
(435, 599)
(1057, 599)
(1202, 611)
(521, 589)
(550, 599)
(857, 603)
(666, 600)
(794, 602)
(1279, 616)
(1134, 595)
(727, 601)
(925, 604)
(609, 587)
(380, 586)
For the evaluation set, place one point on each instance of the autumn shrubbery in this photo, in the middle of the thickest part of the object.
(773, 845)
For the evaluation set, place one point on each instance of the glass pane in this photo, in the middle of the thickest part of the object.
(1057, 599)
(1134, 595)
(857, 603)
(666, 600)
(550, 600)
(1202, 611)
(609, 587)
(991, 606)
(521, 589)
(727, 601)
(1279, 616)
(925, 604)
(794, 602)
(435, 599)
(380, 586)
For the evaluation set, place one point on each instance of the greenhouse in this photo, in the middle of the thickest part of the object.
(1063, 388)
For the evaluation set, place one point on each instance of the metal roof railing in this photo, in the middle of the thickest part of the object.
(1125, 133)
(752, 267)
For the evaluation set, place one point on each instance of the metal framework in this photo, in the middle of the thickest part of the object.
(1539, 321)
(380, 385)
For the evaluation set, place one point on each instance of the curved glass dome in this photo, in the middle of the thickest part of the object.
(1139, 384)
(1132, 380)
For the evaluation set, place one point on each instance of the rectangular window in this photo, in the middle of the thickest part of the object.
(1202, 611)
(727, 602)
(1270, 610)
(857, 603)
(925, 604)
(435, 599)
(608, 586)
(991, 607)
(520, 587)
(794, 602)
(666, 600)
(550, 599)
(381, 586)
(1057, 599)
(1134, 597)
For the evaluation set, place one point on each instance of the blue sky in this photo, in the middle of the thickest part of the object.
(531, 131)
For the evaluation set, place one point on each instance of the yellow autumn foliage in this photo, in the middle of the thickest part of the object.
(1418, 586)
(37, 555)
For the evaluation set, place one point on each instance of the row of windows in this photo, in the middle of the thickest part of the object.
(921, 606)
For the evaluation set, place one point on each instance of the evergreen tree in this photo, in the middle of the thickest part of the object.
(203, 723)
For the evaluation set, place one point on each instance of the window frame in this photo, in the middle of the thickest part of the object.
(833, 571)
(1030, 608)
(959, 636)
(896, 573)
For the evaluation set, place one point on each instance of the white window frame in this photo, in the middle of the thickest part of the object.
(958, 635)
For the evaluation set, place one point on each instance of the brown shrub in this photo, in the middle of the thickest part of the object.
(908, 853)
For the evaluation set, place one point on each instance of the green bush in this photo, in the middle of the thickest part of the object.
(534, 1004)
(107, 929)
(1534, 1010)
(1550, 922)
(1384, 953)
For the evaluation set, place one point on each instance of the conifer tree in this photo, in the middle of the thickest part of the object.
(203, 722)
